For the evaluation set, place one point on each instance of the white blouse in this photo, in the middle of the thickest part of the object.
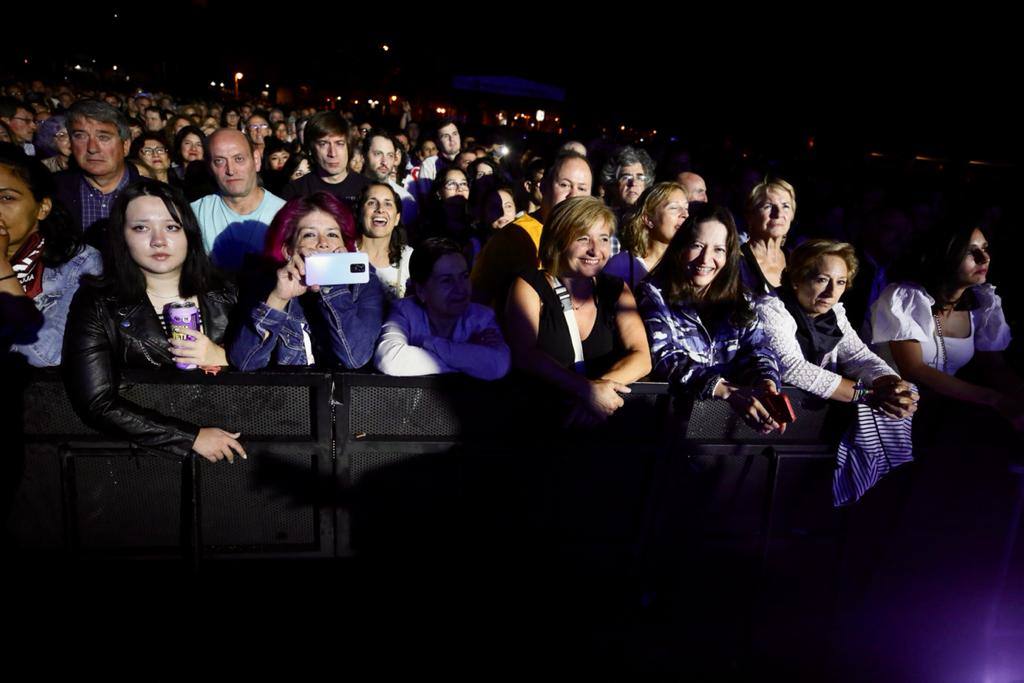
(395, 278)
(903, 312)
(850, 355)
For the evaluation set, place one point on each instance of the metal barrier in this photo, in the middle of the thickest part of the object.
(341, 463)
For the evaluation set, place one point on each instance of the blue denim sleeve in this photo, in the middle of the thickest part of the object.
(45, 349)
(355, 314)
(257, 336)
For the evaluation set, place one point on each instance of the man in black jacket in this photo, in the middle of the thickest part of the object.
(99, 143)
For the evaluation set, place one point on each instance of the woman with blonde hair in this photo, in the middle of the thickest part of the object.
(570, 325)
(770, 209)
(659, 213)
(820, 352)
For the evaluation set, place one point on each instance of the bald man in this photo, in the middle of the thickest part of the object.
(234, 221)
(696, 188)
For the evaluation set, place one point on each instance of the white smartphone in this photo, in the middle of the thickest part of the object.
(349, 268)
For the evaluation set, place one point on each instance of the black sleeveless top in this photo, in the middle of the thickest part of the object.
(602, 348)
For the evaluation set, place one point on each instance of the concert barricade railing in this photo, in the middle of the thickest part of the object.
(349, 462)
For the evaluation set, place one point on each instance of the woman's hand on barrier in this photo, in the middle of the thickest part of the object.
(746, 401)
(291, 282)
(766, 387)
(216, 444)
(202, 351)
(603, 398)
(894, 397)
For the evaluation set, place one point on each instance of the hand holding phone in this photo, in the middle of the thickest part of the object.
(346, 268)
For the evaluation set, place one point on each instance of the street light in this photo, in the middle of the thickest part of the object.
(238, 77)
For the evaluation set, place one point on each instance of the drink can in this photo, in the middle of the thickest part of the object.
(182, 314)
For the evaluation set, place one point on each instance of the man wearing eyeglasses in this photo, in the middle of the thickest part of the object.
(625, 176)
(257, 129)
(21, 121)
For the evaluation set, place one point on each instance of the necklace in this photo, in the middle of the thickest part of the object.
(941, 348)
(154, 295)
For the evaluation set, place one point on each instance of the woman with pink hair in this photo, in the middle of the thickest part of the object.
(293, 323)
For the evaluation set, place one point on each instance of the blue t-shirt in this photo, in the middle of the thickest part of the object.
(229, 236)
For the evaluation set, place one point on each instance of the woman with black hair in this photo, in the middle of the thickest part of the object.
(155, 258)
(378, 215)
(943, 315)
(189, 145)
(42, 258)
(275, 169)
(704, 336)
(151, 156)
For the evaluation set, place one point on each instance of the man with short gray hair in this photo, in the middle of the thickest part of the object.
(626, 175)
(99, 143)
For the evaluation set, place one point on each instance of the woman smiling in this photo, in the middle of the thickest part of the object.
(702, 329)
(571, 326)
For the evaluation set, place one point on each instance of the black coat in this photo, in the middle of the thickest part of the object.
(69, 192)
(102, 337)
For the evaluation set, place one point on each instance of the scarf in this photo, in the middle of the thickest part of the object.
(28, 265)
(816, 336)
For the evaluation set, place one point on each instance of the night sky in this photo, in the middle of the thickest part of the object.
(945, 87)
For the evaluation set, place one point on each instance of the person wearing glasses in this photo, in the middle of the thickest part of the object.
(624, 177)
(150, 154)
(257, 129)
(53, 143)
(447, 210)
(21, 122)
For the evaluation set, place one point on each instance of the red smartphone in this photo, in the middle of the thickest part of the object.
(780, 408)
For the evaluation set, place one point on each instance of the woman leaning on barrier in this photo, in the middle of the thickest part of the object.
(290, 323)
(943, 314)
(155, 258)
(701, 325)
(571, 326)
(437, 329)
(806, 325)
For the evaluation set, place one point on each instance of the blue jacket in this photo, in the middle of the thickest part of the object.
(41, 343)
(690, 356)
(349, 319)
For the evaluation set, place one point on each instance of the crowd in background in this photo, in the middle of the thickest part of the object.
(580, 266)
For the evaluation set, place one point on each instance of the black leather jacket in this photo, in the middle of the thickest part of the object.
(102, 337)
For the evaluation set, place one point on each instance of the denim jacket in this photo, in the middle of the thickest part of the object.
(41, 344)
(691, 357)
(349, 321)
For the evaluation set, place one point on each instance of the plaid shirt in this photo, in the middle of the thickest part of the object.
(96, 205)
(686, 354)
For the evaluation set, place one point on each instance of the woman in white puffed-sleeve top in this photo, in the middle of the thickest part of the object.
(934, 326)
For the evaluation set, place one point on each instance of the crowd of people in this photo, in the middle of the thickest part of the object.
(579, 268)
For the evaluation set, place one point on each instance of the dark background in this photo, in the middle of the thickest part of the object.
(934, 84)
